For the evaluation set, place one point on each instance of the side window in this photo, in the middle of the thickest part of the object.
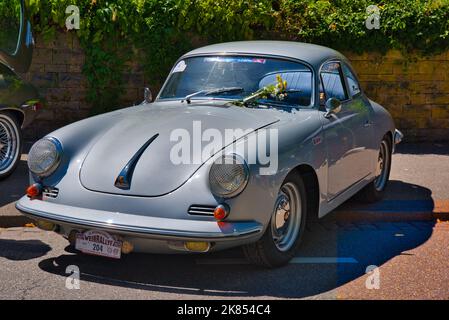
(353, 84)
(332, 81)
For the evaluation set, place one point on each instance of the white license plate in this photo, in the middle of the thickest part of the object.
(99, 243)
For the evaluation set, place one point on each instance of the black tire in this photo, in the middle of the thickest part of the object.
(265, 252)
(9, 128)
(375, 190)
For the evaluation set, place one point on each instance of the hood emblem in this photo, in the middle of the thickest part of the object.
(123, 181)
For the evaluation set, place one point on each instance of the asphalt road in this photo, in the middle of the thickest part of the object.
(411, 256)
(412, 259)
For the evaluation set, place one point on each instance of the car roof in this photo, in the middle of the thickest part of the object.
(311, 53)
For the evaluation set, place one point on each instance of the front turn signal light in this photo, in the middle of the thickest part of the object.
(221, 212)
(127, 247)
(46, 225)
(34, 190)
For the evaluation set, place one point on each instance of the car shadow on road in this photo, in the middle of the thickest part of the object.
(226, 274)
(366, 245)
(19, 250)
(435, 148)
(13, 187)
(399, 196)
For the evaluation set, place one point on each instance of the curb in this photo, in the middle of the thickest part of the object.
(10, 217)
(395, 211)
(373, 216)
(12, 221)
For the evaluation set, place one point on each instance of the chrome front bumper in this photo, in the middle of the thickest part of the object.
(138, 225)
(397, 138)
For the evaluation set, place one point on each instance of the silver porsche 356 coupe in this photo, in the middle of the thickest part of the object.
(243, 144)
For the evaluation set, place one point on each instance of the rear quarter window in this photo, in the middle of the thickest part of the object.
(353, 83)
(332, 81)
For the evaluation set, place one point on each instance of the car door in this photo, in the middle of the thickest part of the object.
(347, 133)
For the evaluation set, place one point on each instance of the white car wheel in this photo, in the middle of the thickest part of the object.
(375, 190)
(10, 144)
(284, 233)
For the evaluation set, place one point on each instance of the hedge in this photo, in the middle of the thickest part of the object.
(157, 32)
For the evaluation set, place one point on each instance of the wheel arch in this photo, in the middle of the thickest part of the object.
(389, 134)
(12, 119)
(312, 185)
(16, 113)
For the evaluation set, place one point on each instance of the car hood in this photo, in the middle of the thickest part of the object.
(145, 136)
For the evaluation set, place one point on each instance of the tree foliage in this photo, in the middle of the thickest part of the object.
(157, 32)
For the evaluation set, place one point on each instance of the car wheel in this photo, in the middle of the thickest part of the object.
(375, 190)
(10, 144)
(283, 235)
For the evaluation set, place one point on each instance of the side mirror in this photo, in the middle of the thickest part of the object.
(333, 106)
(148, 96)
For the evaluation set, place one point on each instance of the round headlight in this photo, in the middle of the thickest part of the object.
(228, 176)
(44, 157)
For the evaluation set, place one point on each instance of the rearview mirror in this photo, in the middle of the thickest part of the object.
(333, 106)
(148, 96)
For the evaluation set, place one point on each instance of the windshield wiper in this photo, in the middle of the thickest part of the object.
(255, 98)
(209, 92)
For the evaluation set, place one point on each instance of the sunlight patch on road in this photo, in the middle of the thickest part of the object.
(138, 285)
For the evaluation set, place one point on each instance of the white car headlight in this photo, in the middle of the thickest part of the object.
(228, 176)
(44, 157)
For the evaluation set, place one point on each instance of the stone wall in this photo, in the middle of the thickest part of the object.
(415, 90)
(56, 70)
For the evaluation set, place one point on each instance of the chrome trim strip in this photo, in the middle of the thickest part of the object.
(201, 213)
(397, 138)
(202, 210)
(123, 180)
(347, 188)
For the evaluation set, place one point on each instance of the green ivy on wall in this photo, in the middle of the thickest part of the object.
(157, 32)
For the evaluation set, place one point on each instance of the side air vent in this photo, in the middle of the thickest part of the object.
(50, 192)
(201, 210)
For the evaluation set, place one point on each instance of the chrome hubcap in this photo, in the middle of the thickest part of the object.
(383, 163)
(8, 145)
(286, 219)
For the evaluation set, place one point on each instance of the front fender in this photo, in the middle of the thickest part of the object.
(300, 142)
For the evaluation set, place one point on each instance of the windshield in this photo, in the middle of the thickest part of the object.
(236, 77)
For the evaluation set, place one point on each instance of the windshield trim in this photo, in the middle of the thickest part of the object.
(204, 98)
(214, 54)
